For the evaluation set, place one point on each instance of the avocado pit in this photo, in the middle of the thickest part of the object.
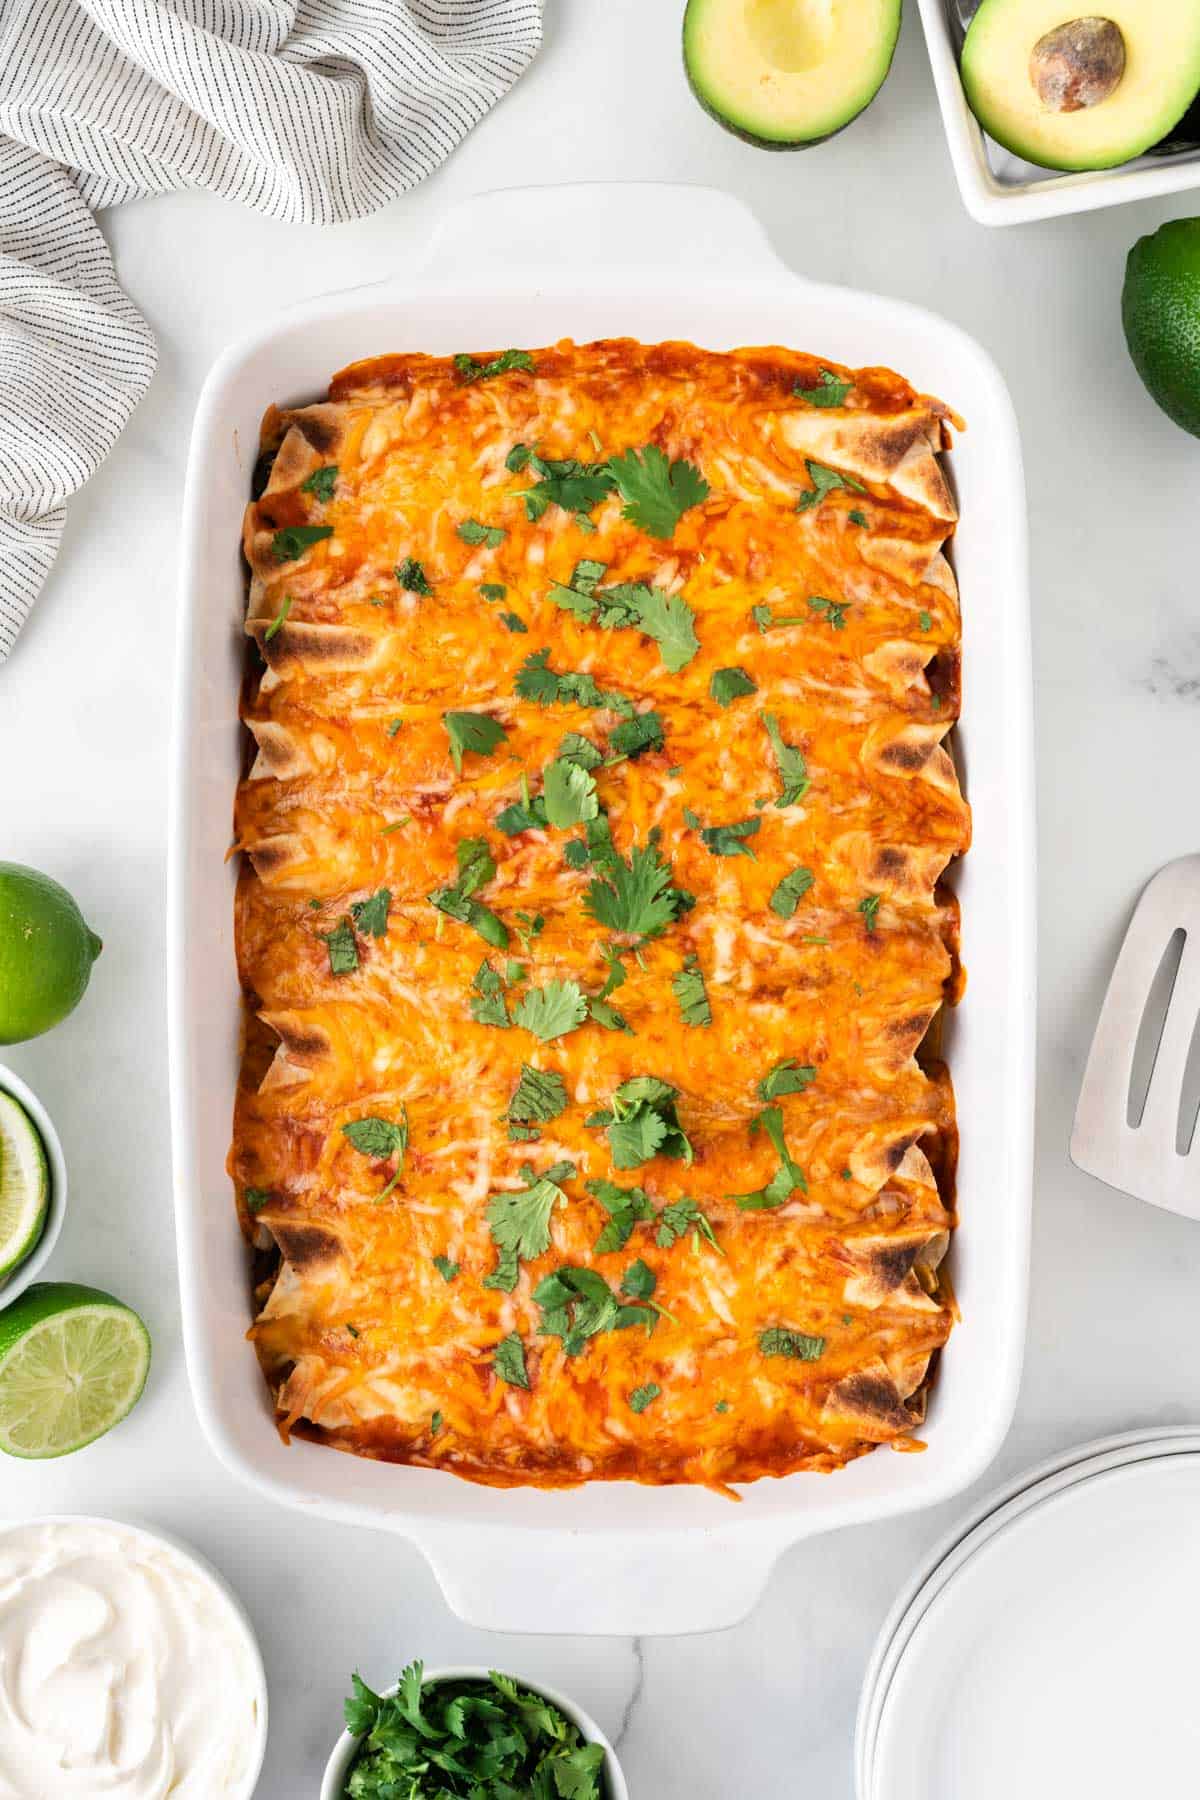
(1078, 64)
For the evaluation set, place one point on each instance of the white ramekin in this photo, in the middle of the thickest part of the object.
(20, 1278)
(346, 1748)
(203, 1568)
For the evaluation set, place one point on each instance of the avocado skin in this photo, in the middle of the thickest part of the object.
(1160, 310)
(762, 143)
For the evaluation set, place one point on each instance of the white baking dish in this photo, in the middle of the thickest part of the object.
(999, 188)
(522, 268)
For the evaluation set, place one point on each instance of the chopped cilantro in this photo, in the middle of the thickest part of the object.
(256, 1198)
(824, 481)
(724, 840)
(519, 1219)
(488, 1006)
(575, 486)
(722, 1406)
(636, 606)
(869, 908)
(857, 517)
(394, 726)
(766, 620)
(728, 685)
(787, 1077)
(576, 748)
(508, 1360)
(472, 532)
(642, 1397)
(476, 868)
(551, 1011)
(468, 369)
(321, 482)
(832, 611)
(656, 492)
(446, 1269)
(924, 621)
(493, 590)
(280, 616)
(435, 1423)
(380, 1139)
(472, 731)
(537, 681)
(639, 1280)
(790, 891)
(578, 1304)
(787, 1179)
(568, 795)
(342, 948)
(642, 1122)
(829, 391)
(626, 1207)
(635, 896)
(540, 1095)
(371, 916)
(680, 1217)
(643, 732)
(412, 576)
(776, 1340)
(793, 770)
(513, 621)
(290, 544)
(687, 985)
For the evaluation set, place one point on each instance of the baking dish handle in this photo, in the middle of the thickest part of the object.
(602, 227)
(593, 1584)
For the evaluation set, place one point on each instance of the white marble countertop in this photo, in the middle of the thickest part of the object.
(1114, 1336)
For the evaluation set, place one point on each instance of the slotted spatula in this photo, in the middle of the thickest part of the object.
(1145, 1149)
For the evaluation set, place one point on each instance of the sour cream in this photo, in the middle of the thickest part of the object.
(126, 1673)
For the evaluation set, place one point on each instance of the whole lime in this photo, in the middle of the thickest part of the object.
(1160, 309)
(46, 953)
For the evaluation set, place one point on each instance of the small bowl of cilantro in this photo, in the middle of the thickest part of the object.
(469, 1734)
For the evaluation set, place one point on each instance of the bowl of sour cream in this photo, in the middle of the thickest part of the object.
(128, 1668)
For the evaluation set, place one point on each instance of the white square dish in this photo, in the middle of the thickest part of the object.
(519, 268)
(1000, 189)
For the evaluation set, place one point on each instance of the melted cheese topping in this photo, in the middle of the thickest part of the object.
(353, 788)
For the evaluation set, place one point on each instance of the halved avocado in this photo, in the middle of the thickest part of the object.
(785, 74)
(1086, 91)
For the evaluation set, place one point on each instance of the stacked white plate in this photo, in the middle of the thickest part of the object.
(1048, 1646)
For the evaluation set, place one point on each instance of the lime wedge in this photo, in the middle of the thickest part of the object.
(24, 1185)
(73, 1363)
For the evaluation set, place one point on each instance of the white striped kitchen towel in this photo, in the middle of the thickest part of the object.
(306, 110)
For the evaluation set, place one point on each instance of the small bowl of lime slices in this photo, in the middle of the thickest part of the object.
(33, 1186)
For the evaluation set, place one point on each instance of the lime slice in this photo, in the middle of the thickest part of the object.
(73, 1363)
(24, 1185)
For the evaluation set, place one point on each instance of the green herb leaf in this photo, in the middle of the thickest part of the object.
(857, 517)
(476, 868)
(578, 1303)
(379, 1138)
(793, 770)
(634, 896)
(508, 1360)
(788, 1178)
(643, 732)
(446, 1269)
(412, 576)
(776, 1340)
(488, 1006)
(924, 621)
(642, 1122)
(371, 916)
(680, 1217)
(321, 482)
(728, 685)
(552, 1011)
(869, 908)
(468, 369)
(790, 891)
(519, 1220)
(256, 1198)
(568, 795)
(829, 391)
(493, 590)
(575, 486)
(342, 948)
(472, 532)
(642, 1397)
(290, 544)
(537, 681)
(513, 622)
(472, 731)
(766, 620)
(626, 1208)
(280, 616)
(540, 1095)
(824, 481)
(394, 725)
(639, 1280)
(725, 840)
(687, 985)
(832, 611)
(656, 492)
(787, 1077)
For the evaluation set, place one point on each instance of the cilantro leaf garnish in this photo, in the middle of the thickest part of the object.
(656, 492)
(856, 517)
(643, 732)
(639, 1280)
(576, 486)
(412, 576)
(280, 617)
(832, 611)
(468, 369)
(551, 1011)
(793, 770)
(488, 1005)
(256, 1198)
(493, 590)
(537, 681)
(626, 1207)
(765, 619)
(472, 731)
(642, 1121)
(924, 621)
(576, 748)
(578, 1304)
(380, 1139)
(869, 908)
(790, 891)
(829, 391)
(634, 606)
(321, 482)
(290, 544)
(508, 1360)
(342, 948)
(371, 916)
(519, 1219)
(787, 1179)
(642, 1397)
(787, 1077)
(476, 867)
(725, 840)
(680, 1217)
(634, 896)
(777, 1340)
(513, 622)
(728, 685)
(824, 481)
(540, 1096)
(472, 532)
(568, 794)
(446, 1269)
(687, 985)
